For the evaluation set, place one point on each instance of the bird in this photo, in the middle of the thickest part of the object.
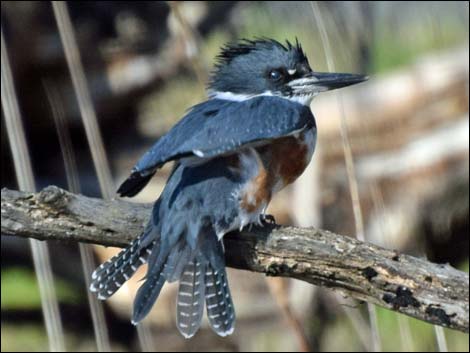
(253, 135)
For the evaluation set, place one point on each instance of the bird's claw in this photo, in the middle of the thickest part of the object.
(267, 219)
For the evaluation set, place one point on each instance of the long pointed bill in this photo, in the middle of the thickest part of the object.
(316, 82)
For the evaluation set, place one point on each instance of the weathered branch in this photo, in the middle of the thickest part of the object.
(430, 292)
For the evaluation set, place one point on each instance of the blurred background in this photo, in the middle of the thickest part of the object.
(146, 63)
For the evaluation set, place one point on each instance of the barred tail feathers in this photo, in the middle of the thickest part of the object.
(112, 274)
(190, 300)
(219, 303)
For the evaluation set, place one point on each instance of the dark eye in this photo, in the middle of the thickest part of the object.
(275, 75)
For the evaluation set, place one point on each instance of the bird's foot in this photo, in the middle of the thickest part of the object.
(267, 219)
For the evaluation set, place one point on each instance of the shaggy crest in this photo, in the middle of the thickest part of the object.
(244, 46)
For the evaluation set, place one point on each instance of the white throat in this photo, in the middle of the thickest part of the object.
(238, 97)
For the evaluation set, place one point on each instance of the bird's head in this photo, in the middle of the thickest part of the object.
(266, 67)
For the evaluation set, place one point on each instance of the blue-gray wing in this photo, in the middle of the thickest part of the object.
(217, 127)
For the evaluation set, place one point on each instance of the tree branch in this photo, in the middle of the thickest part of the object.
(430, 292)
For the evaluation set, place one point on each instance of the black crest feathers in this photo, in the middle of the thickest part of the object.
(245, 46)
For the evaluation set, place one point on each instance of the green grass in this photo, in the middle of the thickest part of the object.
(20, 290)
(392, 50)
(23, 338)
(340, 336)
(32, 337)
(422, 333)
(464, 266)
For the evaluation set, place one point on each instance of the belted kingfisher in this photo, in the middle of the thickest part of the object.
(253, 136)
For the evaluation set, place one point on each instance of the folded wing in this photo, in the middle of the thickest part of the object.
(217, 127)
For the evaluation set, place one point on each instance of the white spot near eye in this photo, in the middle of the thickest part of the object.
(292, 72)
